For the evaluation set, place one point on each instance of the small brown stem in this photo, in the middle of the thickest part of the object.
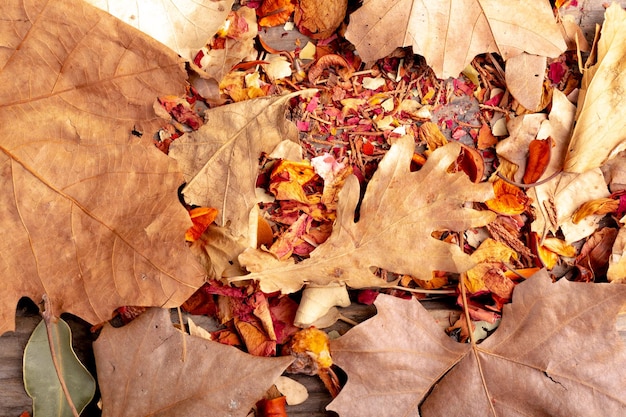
(49, 319)
(534, 184)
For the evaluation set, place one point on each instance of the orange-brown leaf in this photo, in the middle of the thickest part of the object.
(539, 152)
(274, 407)
(510, 200)
(201, 217)
(274, 12)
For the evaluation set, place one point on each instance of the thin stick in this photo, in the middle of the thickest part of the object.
(422, 290)
(182, 327)
(534, 184)
(48, 319)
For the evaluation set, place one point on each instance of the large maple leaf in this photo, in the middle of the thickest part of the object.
(556, 353)
(398, 214)
(89, 212)
(450, 33)
(146, 369)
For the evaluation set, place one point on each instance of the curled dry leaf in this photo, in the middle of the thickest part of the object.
(601, 117)
(401, 362)
(327, 61)
(539, 152)
(136, 361)
(450, 33)
(424, 201)
(318, 19)
(90, 213)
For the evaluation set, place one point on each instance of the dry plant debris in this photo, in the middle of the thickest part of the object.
(414, 163)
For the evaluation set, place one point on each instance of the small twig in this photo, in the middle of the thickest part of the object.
(423, 291)
(48, 320)
(534, 184)
(347, 320)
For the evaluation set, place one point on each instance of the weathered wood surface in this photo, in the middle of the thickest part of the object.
(14, 400)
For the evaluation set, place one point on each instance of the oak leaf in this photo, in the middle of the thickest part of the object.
(146, 369)
(450, 33)
(534, 364)
(89, 211)
(399, 212)
(220, 160)
(184, 26)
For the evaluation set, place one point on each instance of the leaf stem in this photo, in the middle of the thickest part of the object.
(49, 319)
(534, 184)
(473, 340)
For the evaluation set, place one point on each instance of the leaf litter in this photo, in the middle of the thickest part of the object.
(444, 218)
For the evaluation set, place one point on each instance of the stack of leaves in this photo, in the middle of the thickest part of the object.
(312, 172)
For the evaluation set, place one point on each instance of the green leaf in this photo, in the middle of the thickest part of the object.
(41, 380)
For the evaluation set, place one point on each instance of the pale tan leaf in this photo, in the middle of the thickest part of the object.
(524, 75)
(184, 26)
(401, 362)
(89, 212)
(450, 33)
(399, 212)
(139, 363)
(220, 160)
(601, 119)
(216, 63)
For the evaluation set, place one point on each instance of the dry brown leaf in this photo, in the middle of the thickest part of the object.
(401, 362)
(450, 33)
(184, 26)
(320, 18)
(89, 212)
(601, 118)
(399, 212)
(220, 160)
(145, 369)
(524, 75)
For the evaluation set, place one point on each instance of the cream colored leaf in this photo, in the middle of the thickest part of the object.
(89, 212)
(399, 212)
(450, 33)
(601, 119)
(524, 75)
(220, 160)
(184, 26)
